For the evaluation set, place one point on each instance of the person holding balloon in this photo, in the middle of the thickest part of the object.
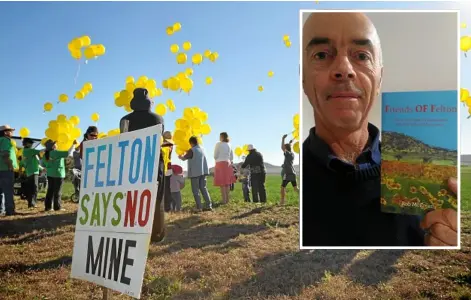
(258, 174)
(90, 134)
(54, 162)
(8, 164)
(223, 171)
(167, 149)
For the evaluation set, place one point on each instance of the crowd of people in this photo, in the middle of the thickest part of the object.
(251, 173)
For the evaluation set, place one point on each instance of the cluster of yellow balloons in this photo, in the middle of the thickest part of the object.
(296, 133)
(84, 42)
(124, 97)
(193, 123)
(161, 109)
(174, 48)
(110, 133)
(174, 28)
(180, 82)
(84, 91)
(287, 41)
(241, 151)
(63, 131)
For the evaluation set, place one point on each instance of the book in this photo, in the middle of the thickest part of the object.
(419, 143)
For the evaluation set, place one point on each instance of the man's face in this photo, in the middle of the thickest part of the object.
(341, 68)
(9, 133)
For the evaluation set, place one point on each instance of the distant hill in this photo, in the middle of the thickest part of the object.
(398, 143)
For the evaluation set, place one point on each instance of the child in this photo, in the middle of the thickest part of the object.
(234, 169)
(244, 178)
(177, 183)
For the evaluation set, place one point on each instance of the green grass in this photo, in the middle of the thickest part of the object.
(465, 188)
(413, 158)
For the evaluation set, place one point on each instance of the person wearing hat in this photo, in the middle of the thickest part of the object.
(258, 174)
(142, 117)
(167, 149)
(8, 164)
(30, 161)
(55, 167)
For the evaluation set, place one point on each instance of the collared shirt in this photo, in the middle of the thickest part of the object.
(370, 156)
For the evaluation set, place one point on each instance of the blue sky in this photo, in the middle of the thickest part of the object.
(248, 37)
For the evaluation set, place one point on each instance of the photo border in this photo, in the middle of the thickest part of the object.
(301, 92)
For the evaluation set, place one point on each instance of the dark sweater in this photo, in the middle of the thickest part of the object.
(341, 202)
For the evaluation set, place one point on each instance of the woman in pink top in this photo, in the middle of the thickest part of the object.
(223, 171)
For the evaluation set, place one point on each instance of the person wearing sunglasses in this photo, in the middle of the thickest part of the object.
(90, 134)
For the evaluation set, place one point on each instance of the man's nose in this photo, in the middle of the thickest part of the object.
(342, 69)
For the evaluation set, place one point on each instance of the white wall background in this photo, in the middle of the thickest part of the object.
(420, 52)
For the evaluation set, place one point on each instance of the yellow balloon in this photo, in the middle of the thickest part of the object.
(86, 41)
(179, 135)
(286, 38)
(76, 53)
(24, 132)
(63, 138)
(95, 117)
(170, 30)
(182, 124)
(296, 120)
(197, 58)
(79, 95)
(76, 133)
(61, 118)
(88, 87)
(89, 52)
(463, 25)
(75, 120)
(203, 116)
(100, 50)
(188, 113)
(209, 80)
(238, 151)
(129, 79)
(213, 56)
(48, 106)
(205, 129)
(186, 46)
(288, 44)
(170, 105)
(173, 83)
(176, 27)
(182, 75)
(270, 73)
(127, 108)
(158, 92)
(196, 123)
(161, 109)
(207, 53)
(143, 79)
(101, 135)
(464, 94)
(465, 43)
(77, 43)
(43, 141)
(296, 147)
(181, 58)
(63, 98)
(186, 84)
(189, 71)
(174, 48)
(165, 84)
(260, 88)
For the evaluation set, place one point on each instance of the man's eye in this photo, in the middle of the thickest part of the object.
(363, 56)
(321, 55)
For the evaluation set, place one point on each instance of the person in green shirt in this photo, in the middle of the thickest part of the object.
(55, 167)
(30, 161)
(8, 164)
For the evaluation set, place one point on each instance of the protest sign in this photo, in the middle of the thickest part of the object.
(118, 195)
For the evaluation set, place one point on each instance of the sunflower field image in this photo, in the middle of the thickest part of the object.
(418, 155)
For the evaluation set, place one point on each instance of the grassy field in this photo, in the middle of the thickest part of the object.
(238, 251)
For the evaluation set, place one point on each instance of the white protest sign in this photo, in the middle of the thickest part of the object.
(116, 209)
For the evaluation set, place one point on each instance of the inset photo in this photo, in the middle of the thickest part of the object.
(380, 127)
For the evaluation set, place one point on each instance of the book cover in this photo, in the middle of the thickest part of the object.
(419, 142)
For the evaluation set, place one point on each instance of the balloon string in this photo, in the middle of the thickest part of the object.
(78, 72)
